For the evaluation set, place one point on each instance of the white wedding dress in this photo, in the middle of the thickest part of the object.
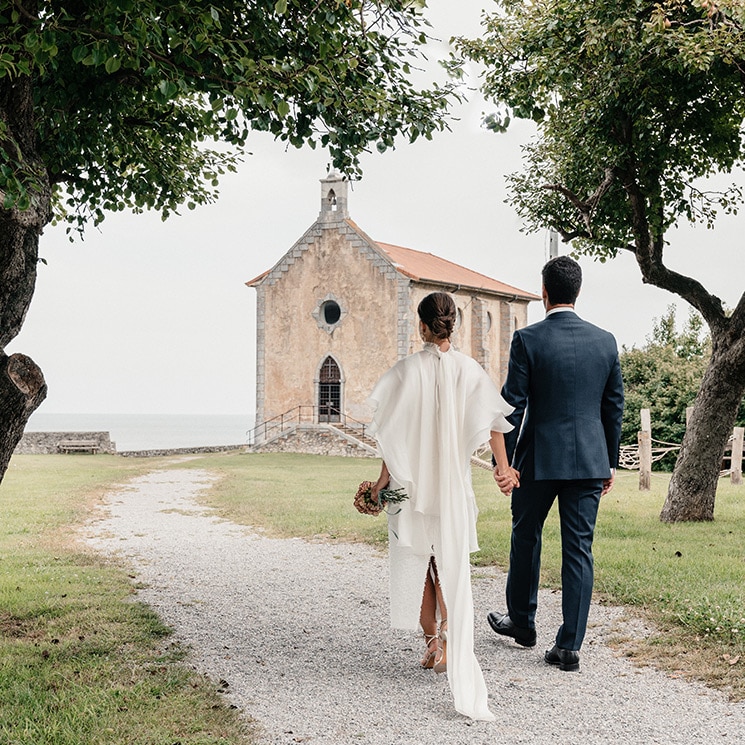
(432, 410)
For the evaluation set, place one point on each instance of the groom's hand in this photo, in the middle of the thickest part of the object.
(608, 483)
(507, 480)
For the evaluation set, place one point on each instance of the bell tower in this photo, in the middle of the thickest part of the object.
(333, 198)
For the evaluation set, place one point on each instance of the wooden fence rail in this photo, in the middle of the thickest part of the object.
(648, 450)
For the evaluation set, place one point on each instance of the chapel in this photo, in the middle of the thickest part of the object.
(338, 309)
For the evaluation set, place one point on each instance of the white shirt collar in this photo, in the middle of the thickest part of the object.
(560, 310)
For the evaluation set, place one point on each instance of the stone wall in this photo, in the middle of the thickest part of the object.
(196, 450)
(44, 443)
(316, 440)
(47, 443)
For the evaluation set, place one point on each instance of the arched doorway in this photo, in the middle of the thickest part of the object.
(329, 391)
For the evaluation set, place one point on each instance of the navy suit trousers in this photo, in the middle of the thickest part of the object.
(578, 509)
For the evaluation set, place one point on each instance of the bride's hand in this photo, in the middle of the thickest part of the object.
(383, 480)
(381, 483)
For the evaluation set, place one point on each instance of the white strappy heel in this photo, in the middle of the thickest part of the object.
(430, 657)
(441, 662)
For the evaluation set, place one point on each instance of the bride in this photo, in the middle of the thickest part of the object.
(432, 410)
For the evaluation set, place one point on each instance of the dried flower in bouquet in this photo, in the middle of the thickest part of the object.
(367, 505)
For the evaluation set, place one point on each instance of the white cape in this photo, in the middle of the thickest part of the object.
(432, 410)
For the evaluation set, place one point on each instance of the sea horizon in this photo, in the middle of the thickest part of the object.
(151, 431)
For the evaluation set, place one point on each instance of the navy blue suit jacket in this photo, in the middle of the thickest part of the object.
(564, 380)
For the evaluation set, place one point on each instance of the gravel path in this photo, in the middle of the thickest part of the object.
(299, 631)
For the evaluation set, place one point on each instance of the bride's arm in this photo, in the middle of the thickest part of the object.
(383, 480)
(506, 477)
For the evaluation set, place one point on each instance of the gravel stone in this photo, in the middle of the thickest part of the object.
(295, 634)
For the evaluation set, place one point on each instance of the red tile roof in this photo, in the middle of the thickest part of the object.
(426, 267)
(253, 282)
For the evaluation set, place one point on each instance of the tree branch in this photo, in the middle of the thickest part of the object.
(737, 319)
(568, 193)
(567, 237)
(649, 257)
(28, 16)
(585, 208)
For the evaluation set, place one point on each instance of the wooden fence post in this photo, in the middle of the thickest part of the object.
(645, 451)
(735, 474)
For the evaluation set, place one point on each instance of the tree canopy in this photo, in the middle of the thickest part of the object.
(127, 95)
(636, 104)
(618, 99)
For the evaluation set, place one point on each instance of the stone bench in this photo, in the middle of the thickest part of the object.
(78, 446)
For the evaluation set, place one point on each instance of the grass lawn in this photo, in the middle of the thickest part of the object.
(689, 579)
(80, 662)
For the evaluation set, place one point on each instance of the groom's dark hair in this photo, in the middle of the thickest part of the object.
(562, 278)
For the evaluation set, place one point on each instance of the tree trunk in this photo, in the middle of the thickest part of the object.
(22, 389)
(694, 481)
(22, 386)
(693, 485)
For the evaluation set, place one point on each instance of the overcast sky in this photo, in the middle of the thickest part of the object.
(151, 317)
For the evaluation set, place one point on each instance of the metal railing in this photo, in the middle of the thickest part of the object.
(305, 414)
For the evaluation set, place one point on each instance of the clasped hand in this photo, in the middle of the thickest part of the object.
(507, 480)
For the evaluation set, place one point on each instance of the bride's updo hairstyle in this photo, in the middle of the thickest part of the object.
(437, 312)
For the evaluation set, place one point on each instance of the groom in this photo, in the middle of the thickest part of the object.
(564, 380)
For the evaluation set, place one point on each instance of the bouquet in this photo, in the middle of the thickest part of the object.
(367, 505)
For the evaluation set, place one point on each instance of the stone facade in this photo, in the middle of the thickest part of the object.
(339, 309)
(293, 344)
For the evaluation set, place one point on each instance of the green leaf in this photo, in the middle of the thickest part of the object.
(167, 88)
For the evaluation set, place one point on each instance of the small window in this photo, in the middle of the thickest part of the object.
(488, 321)
(458, 318)
(331, 312)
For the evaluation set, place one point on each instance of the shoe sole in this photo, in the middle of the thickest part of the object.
(572, 667)
(521, 642)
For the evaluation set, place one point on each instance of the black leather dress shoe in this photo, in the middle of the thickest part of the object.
(564, 659)
(502, 624)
